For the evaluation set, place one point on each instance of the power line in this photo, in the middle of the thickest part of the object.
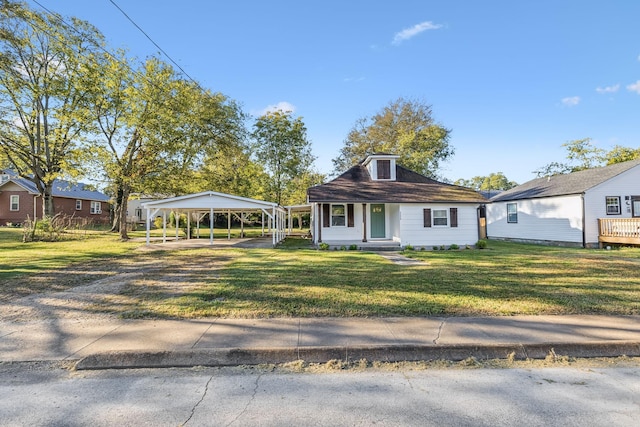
(152, 41)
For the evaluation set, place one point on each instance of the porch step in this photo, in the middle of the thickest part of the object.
(366, 246)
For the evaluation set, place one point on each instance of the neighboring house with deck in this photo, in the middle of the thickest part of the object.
(20, 199)
(378, 202)
(586, 208)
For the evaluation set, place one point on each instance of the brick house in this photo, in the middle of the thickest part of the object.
(19, 200)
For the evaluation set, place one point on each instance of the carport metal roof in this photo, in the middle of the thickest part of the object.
(213, 202)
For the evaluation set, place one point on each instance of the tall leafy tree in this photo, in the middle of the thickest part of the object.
(154, 128)
(494, 181)
(281, 145)
(582, 154)
(621, 154)
(44, 109)
(403, 127)
(230, 169)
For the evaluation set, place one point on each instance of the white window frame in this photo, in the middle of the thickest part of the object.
(335, 217)
(617, 205)
(14, 200)
(512, 217)
(78, 204)
(436, 216)
(96, 208)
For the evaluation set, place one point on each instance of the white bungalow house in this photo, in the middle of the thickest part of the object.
(585, 208)
(380, 203)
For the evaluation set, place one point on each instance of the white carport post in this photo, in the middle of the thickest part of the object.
(263, 223)
(164, 226)
(177, 216)
(149, 215)
(188, 225)
(273, 215)
(229, 224)
(211, 226)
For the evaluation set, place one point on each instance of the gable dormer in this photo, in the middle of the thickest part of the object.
(381, 167)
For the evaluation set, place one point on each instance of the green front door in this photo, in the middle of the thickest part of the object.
(377, 222)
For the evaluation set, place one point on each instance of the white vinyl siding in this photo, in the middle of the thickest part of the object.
(343, 233)
(413, 232)
(552, 219)
(595, 201)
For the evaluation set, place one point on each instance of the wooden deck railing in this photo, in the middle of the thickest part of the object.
(619, 230)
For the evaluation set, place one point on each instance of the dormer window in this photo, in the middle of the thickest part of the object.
(384, 169)
(381, 167)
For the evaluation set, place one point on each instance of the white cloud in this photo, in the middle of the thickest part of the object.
(283, 106)
(635, 87)
(408, 33)
(608, 89)
(571, 101)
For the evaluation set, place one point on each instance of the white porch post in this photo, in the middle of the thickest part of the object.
(229, 224)
(242, 224)
(263, 223)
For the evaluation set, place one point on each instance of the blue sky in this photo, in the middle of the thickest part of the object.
(513, 80)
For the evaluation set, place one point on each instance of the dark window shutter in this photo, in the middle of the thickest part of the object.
(326, 218)
(453, 215)
(350, 221)
(427, 217)
(384, 169)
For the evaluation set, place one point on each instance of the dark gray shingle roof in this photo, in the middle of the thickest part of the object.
(562, 185)
(61, 188)
(356, 185)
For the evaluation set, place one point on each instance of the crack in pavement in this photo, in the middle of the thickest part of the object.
(435, 341)
(193, 410)
(253, 397)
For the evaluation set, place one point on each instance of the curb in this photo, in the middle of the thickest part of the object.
(393, 353)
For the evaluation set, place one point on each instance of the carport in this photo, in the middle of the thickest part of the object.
(211, 202)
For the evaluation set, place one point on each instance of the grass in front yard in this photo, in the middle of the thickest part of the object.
(506, 279)
(31, 267)
(291, 280)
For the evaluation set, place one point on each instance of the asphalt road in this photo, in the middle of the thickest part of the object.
(46, 395)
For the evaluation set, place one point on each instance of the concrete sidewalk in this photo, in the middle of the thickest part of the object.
(104, 342)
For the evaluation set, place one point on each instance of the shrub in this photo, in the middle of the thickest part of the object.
(323, 246)
(408, 248)
(343, 248)
(454, 247)
(435, 248)
(481, 244)
(353, 247)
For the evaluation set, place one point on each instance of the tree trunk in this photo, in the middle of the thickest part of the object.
(115, 225)
(123, 212)
(48, 207)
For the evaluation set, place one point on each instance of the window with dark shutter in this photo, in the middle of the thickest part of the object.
(350, 221)
(326, 217)
(384, 169)
(427, 217)
(453, 216)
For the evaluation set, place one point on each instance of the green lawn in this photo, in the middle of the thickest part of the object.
(504, 279)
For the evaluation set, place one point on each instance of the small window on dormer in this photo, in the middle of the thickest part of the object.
(384, 169)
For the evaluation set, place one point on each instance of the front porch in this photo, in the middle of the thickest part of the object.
(624, 231)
